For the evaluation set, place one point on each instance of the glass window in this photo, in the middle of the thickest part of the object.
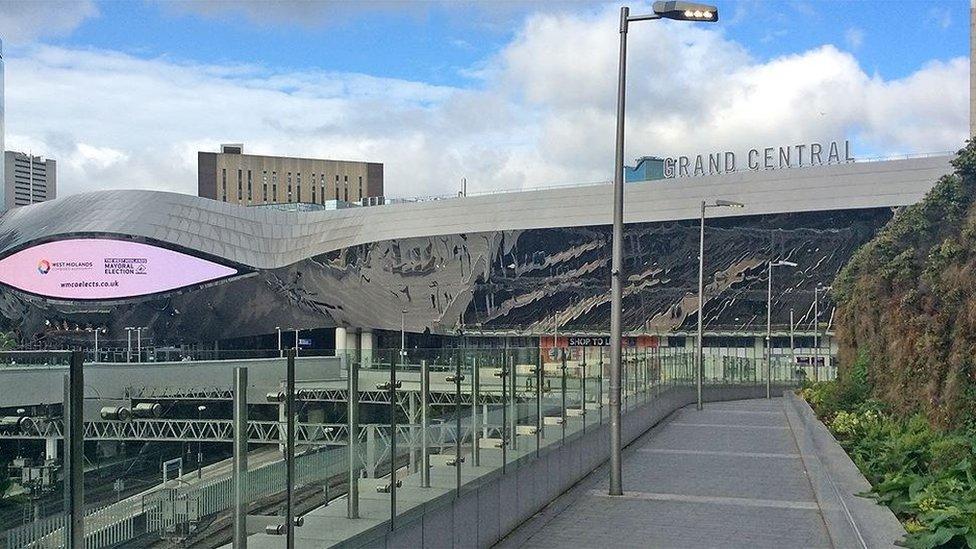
(223, 184)
(289, 186)
(249, 185)
(240, 185)
(360, 187)
(274, 186)
(264, 186)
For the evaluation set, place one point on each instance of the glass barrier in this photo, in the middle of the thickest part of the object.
(176, 452)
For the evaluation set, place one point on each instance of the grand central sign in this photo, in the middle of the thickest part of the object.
(768, 158)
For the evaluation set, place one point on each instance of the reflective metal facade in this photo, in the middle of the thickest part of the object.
(516, 262)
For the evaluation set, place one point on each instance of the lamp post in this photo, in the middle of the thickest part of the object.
(769, 321)
(296, 342)
(200, 409)
(128, 343)
(280, 352)
(699, 352)
(816, 329)
(792, 345)
(403, 338)
(682, 11)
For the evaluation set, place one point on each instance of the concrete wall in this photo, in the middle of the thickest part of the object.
(491, 507)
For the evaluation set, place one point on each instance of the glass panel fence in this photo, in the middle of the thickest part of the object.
(176, 452)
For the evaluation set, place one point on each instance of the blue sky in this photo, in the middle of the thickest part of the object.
(440, 42)
(508, 94)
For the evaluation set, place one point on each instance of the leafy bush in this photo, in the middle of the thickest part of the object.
(927, 477)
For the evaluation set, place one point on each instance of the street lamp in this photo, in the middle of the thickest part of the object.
(296, 342)
(682, 11)
(280, 352)
(769, 320)
(699, 353)
(200, 410)
(816, 329)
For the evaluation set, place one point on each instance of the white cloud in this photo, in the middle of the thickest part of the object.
(854, 37)
(940, 16)
(25, 21)
(543, 112)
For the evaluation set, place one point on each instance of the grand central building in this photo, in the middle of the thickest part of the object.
(521, 264)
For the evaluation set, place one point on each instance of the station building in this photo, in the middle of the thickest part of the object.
(530, 266)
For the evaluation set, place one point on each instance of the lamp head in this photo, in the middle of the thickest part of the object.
(686, 11)
(783, 263)
(729, 204)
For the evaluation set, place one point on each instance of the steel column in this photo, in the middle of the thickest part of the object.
(352, 415)
(290, 449)
(74, 457)
(240, 458)
(539, 423)
(424, 424)
(616, 270)
(475, 428)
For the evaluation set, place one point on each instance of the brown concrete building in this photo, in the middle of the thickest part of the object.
(254, 180)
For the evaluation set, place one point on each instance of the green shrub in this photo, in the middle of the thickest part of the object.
(927, 477)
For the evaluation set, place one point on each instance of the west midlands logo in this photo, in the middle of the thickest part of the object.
(43, 266)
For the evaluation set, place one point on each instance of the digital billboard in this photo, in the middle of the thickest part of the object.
(104, 269)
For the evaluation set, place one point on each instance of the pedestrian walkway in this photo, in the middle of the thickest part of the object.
(727, 476)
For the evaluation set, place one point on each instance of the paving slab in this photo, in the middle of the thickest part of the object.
(727, 476)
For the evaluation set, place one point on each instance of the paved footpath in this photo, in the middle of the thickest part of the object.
(728, 476)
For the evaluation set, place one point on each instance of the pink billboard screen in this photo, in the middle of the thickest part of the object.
(97, 268)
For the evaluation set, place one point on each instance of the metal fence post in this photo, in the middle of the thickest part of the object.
(475, 428)
(290, 448)
(563, 391)
(504, 375)
(352, 415)
(240, 458)
(74, 433)
(513, 416)
(458, 460)
(539, 423)
(391, 386)
(424, 424)
(599, 387)
(583, 390)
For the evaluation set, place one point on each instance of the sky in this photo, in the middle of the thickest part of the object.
(510, 94)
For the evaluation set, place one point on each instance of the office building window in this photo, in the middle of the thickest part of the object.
(249, 198)
(223, 184)
(313, 193)
(240, 186)
(360, 187)
(264, 186)
(274, 186)
(337, 187)
(345, 188)
(322, 188)
(289, 187)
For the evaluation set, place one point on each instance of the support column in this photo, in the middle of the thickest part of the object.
(367, 342)
(50, 449)
(758, 351)
(352, 345)
(340, 341)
